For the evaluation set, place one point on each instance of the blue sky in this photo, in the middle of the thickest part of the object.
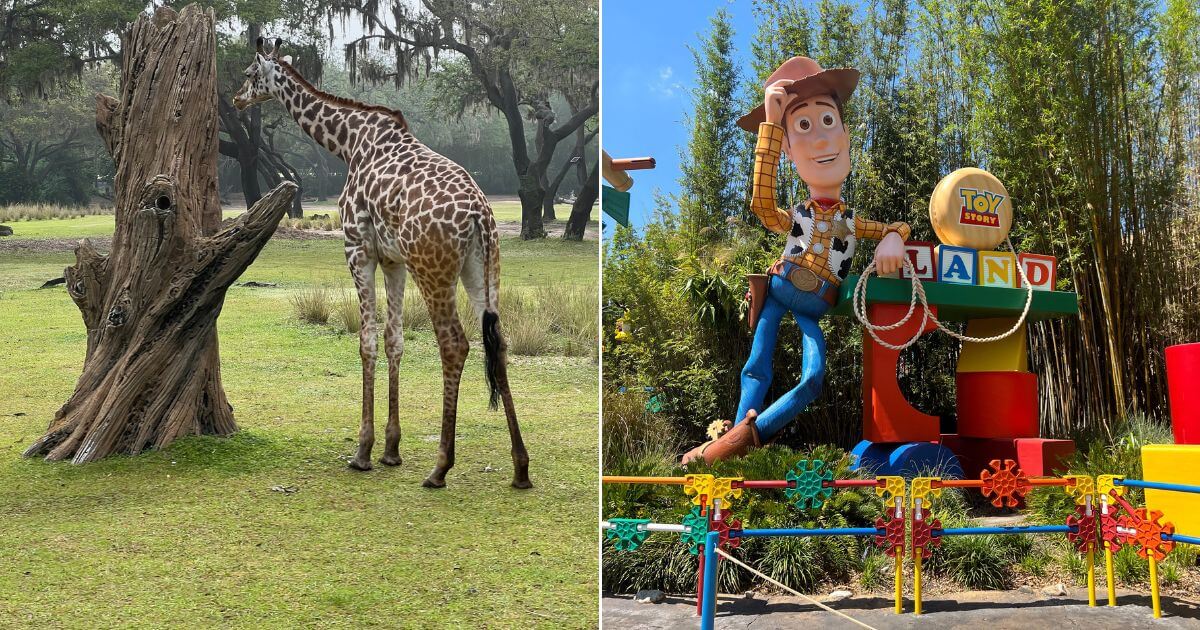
(648, 74)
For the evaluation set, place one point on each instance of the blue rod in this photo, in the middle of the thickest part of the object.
(836, 531)
(1191, 540)
(708, 597)
(1156, 485)
(1016, 529)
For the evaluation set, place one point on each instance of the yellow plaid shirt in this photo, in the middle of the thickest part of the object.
(820, 238)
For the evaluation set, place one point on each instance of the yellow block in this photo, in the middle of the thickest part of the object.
(997, 269)
(1010, 354)
(1173, 463)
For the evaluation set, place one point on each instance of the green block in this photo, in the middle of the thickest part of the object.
(807, 477)
(625, 533)
(615, 204)
(961, 302)
(699, 524)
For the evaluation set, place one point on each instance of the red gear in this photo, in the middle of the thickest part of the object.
(922, 532)
(1084, 538)
(722, 528)
(892, 538)
(1149, 534)
(1005, 484)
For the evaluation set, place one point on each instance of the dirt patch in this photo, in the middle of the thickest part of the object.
(51, 245)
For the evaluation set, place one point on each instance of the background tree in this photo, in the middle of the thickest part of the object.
(521, 53)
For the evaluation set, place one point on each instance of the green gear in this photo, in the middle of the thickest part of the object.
(699, 524)
(654, 404)
(625, 533)
(808, 477)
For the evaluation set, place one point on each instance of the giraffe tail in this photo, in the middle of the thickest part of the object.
(493, 349)
(493, 342)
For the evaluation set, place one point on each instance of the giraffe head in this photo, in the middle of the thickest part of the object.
(262, 75)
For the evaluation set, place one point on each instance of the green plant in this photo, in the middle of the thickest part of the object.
(527, 334)
(416, 314)
(876, 573)
(312, 304)
(974, 562)
(1129, 567)
(346, 313)
(1035, 563)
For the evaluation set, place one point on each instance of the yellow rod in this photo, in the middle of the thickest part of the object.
(917, 581)
(665, 480)
(1091, 566)
(1108, 572)
(1154, 589)
(899, 583)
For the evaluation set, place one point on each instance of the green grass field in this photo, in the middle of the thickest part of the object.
(269, 528)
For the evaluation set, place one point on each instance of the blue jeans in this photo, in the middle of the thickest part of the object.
(807, 309)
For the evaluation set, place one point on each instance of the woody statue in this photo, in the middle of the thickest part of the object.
(801, 116)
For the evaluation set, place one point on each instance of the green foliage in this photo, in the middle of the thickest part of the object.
(877, 572)
(979, 562)
(312, 304)
(1130, 568)
(1100, 454)
(708, 175)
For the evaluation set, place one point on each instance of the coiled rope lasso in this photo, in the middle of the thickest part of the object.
(918, 293)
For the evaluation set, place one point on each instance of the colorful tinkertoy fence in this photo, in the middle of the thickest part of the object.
(1102, 517)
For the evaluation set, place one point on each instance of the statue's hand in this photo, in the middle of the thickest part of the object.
(776, 99)
(889, 254)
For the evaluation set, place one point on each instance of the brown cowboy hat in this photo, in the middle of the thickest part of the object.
(810, 80)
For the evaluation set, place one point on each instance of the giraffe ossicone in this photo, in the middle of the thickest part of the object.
(405, 209)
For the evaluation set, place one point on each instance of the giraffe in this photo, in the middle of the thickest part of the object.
(405, 209)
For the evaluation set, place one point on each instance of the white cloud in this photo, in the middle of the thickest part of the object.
(664, 88)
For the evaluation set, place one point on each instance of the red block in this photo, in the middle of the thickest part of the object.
(1183, 375)
(1036, 457)
(887, 415)
(997, 404)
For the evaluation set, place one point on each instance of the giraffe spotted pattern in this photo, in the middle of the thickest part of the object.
(407, 210)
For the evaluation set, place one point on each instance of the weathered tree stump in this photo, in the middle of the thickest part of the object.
(152, 370)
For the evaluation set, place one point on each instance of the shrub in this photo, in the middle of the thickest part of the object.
(631, 433)
(346, 313)
(877, 573)
(528, 334)
(416, 314)
(312, 304)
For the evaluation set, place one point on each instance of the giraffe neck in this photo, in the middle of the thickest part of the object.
(335, 126)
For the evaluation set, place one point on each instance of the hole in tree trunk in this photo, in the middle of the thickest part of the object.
(163, 202)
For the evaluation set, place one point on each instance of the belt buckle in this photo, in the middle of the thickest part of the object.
(804, 279)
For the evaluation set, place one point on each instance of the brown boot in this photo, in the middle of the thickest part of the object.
(734, 443)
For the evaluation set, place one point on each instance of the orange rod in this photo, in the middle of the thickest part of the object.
(1050, 481)
(679, 481)
(960, 483)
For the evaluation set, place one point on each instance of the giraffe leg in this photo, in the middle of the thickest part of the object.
(362, 267)
(394, 275)
(453, 345)
(520, 456)
(473, 281)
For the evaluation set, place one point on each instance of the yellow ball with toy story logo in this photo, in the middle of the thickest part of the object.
(971, 208)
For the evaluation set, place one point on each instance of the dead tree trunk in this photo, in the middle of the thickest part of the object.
(152, 371)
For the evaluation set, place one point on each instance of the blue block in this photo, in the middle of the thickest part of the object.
(908, 459)
(957, 265)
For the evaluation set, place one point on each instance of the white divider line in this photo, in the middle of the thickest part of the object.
(793, 591)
